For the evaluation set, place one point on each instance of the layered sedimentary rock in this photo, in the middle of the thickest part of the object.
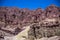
(46, 23)
(45, 28)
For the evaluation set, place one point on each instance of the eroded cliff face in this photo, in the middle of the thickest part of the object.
(45, 28)
(46, 23)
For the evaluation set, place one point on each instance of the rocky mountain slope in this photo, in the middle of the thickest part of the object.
(46, 23)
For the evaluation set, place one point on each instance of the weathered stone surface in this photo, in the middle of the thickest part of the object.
(13, 20)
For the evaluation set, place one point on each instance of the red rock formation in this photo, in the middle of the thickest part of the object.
(12, 18)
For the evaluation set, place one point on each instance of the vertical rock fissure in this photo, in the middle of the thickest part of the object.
(34, 32)
(5, 20)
